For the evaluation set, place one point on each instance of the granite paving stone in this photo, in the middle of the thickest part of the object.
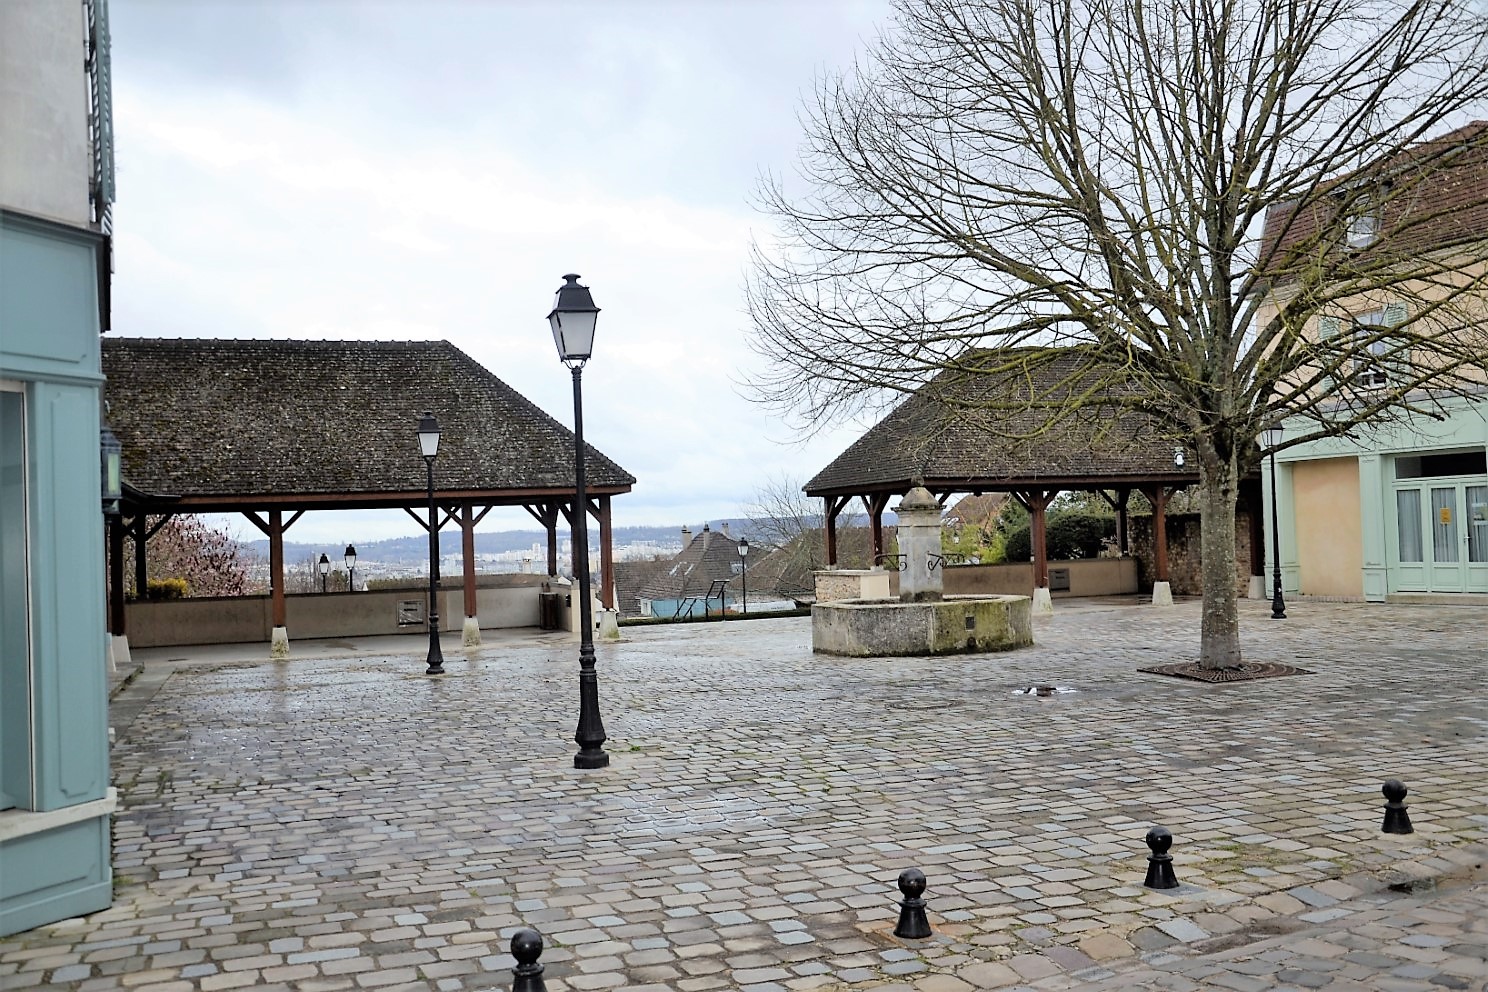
(345, 822)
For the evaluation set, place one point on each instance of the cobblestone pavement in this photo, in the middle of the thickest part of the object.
(349, 823)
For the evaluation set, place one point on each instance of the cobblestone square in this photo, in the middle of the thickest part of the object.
(349, 823)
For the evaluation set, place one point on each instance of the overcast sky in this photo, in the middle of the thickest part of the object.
(329, 169)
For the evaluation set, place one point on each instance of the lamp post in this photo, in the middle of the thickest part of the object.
(572, 320)
(1271, 438)
(349, 556)
(325, 570)
(744, 572)
(428, 438)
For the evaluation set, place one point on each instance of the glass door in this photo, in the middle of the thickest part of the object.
(1475, 520)
(1446, 549)
(16, 758)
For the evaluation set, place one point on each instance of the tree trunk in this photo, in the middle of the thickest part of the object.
(1220, 632)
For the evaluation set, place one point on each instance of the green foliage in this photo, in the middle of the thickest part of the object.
(986, 546)
(157, 589)
(1070, 536)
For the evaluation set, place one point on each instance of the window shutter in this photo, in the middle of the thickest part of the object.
(1395, 315)
(1328, 328)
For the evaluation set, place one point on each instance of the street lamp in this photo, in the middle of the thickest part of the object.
(744, 572)
(428, 438)
(325, 570)
(1271, 438)
(349, 556)
(572, 320)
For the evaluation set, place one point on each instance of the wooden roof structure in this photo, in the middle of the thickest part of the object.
(274, 427)
(969, 433)
(220, 425)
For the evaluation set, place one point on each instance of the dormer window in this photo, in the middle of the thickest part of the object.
(1363, 228)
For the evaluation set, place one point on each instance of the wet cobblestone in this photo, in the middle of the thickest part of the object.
(349, 823)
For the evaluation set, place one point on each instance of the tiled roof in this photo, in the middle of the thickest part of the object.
(211, 419)
(1447, 206)
(709, 556)
(938, 437)
(630, 578)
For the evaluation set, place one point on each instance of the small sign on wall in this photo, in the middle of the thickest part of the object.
(410, 612)
(1444, 515)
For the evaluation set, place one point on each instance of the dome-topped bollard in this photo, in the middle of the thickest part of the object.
(527, 947)
(1160, 863)
(913, 923)
(1397, 820)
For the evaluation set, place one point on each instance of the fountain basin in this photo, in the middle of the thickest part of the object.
(952, 625)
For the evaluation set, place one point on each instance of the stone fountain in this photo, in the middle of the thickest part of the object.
(922, 621)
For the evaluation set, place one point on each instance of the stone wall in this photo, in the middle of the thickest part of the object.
(1185, 571)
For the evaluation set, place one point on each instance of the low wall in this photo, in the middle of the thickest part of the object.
(854, 583)
(245, 619)
(1087, 577)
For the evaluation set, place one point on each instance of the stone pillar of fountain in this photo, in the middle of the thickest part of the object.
(919, 538)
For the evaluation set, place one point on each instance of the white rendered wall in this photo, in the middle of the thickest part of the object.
(44, 152)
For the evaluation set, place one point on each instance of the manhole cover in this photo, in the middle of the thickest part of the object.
(1043, 690)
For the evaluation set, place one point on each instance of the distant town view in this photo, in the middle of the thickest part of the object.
(495, 552)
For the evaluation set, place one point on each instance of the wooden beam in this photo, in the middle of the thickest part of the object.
(834, 506)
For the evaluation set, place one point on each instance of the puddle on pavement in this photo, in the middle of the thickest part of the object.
(1043, 690)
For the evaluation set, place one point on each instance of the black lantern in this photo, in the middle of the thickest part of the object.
(1271, 438)
(325, 570)
(349, 556)
(428, 438)
(572, 320)
(110, 454)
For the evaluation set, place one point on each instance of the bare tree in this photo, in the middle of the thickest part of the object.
(1003, 182)
(211, 560)
(792, 528)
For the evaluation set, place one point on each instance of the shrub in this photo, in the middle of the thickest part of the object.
(157, 589)
(1069, 536)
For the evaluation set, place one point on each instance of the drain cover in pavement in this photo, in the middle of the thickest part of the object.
(1246, 672)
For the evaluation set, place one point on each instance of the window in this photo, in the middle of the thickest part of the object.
(1368, 360)
(1363, 228)
(16, 756)
(1437, 466)
(1408, 519)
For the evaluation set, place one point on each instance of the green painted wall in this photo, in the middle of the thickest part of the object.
(54, 850)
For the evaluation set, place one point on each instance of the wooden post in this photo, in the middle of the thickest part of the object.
(467, 555)
(1038, 505)
(276, 565)
(1160, 531)
(550, 522)
(116, 576)
(606, 555)
(875, 506)
(141, 579)
(834, 505)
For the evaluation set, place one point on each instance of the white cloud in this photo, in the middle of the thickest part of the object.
(381, 190)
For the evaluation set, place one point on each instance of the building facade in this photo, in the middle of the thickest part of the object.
(55, 188)
(1401, 508)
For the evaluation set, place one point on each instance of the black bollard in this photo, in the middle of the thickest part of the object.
(1397, 820)
(527, 947)
(1160, 862)
(913, 923)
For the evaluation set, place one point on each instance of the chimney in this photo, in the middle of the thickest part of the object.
(705, 526)
(686, 536)
(723, 526)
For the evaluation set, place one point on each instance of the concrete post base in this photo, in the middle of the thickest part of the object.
(1162, 594)
(609, 625)
(118, 651)
(279, 644)
(1043, 606)
(1257, 588)
(471, 635)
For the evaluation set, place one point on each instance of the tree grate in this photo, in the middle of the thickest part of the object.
(1245, 672)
